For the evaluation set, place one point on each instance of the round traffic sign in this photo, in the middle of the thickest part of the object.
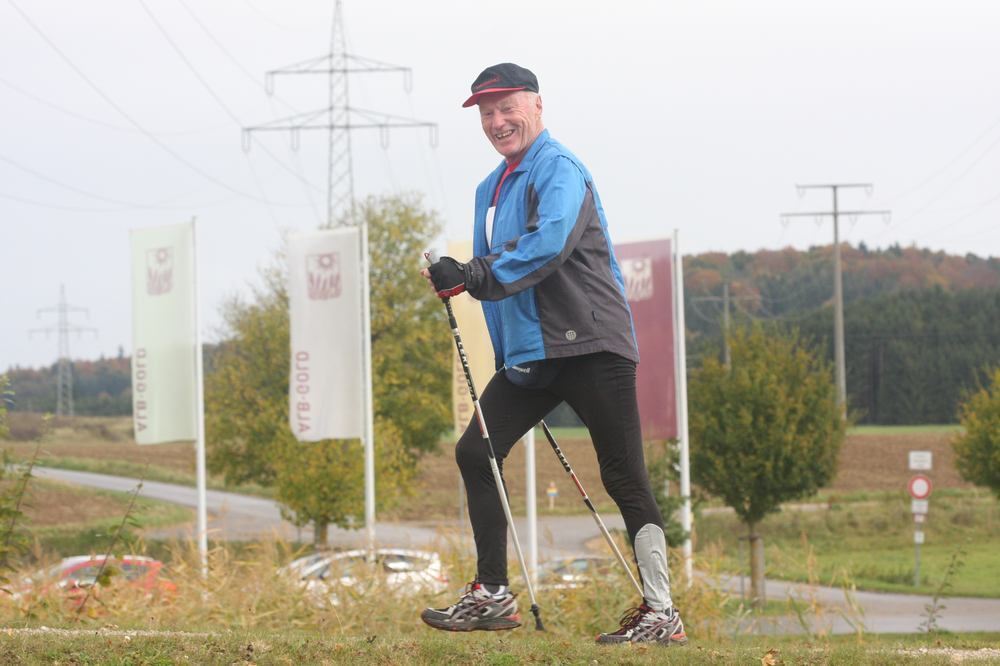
(919, 487)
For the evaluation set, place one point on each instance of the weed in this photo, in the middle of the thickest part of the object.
(104, 573)
(935, 609)
(11, 543)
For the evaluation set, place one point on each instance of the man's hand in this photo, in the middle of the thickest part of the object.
(448, 276)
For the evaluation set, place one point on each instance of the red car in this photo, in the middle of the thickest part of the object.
(76, 574)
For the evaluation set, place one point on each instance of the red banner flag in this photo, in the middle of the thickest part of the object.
(649, 275)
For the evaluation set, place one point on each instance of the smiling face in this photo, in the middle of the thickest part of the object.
(511, 121)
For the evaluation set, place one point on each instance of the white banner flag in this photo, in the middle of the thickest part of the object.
(326, 391)
(163, 334)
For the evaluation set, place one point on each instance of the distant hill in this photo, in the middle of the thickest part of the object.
(920, 326)
(100, 388)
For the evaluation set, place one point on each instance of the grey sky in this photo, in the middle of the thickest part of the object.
(695, 115)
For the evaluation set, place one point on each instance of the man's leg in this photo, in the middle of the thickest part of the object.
(509, 411)
(601, 389)
(487, 603)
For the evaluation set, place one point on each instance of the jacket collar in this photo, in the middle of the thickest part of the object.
(536, 146)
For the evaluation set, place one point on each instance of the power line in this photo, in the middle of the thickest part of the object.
(951, 163)
(121, 111)
(97, 121)
(239, 65)
(211, 91)
(124, 203)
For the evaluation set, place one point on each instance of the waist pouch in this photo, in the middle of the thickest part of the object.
(534, 374)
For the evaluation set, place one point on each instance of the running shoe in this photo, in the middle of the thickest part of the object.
(477, 609)
(642, 624)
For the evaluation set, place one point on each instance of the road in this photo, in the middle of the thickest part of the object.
(233, 516)
(242, 517)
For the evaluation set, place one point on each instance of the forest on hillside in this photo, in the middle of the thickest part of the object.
(920, 327)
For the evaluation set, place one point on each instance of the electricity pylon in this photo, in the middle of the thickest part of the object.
(63, 327)
(339, 118)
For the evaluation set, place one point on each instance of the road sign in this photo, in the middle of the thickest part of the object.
(553, 493)
(918, 537)
(919, 518)
(919, 487)
(919, 506)
(920, 461)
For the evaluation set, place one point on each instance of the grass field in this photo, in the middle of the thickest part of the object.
(866, 535)
(871, 544)
(69, 520)
(519, 647)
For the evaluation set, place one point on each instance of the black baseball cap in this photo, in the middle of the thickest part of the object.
(505, 77)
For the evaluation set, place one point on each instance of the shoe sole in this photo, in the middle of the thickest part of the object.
(491, 624)
(667, 643)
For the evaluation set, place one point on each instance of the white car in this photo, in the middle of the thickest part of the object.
(571, 573)
(403, 571)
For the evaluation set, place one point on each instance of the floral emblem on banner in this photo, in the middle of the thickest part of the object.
(638, 274)
(159, 271)
(323, 272)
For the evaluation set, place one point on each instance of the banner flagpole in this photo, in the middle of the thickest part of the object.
(680, 367)
(202, 519)
(369, 439)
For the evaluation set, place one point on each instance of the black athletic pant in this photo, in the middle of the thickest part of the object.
(601, 390)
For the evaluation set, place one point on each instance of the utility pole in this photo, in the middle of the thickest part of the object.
(838, 284)
(63, 327)
(339, 118)
(726, 299)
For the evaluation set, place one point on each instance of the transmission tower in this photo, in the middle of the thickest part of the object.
(339, 118)
(63, 327)
(838, 283)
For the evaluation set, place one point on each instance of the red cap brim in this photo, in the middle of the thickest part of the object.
(475, 97)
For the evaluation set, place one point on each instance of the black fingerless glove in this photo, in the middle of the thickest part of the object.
(449, 277)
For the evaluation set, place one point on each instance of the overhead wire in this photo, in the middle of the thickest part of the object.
(74, 209)
(947, 188)
(125, 204)
(211, 91)
(239, 65)
(993, 125)
(271, 98)
(127, 116)
(97, 121)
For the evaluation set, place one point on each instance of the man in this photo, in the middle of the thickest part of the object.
(555, 307)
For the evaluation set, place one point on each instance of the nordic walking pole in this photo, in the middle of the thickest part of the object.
(590, 505)
(501, 489)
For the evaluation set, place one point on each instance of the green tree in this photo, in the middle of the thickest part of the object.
(977, 449)
(765, 430)
(5, 397)
(662, 462)
(321, 483)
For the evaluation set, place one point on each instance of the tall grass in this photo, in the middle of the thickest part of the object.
(244, 592)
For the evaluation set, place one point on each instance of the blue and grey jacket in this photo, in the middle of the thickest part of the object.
(549, 281)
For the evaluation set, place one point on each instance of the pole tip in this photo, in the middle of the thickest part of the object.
(538, 618)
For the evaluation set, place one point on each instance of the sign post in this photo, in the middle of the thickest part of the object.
(919, 488)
